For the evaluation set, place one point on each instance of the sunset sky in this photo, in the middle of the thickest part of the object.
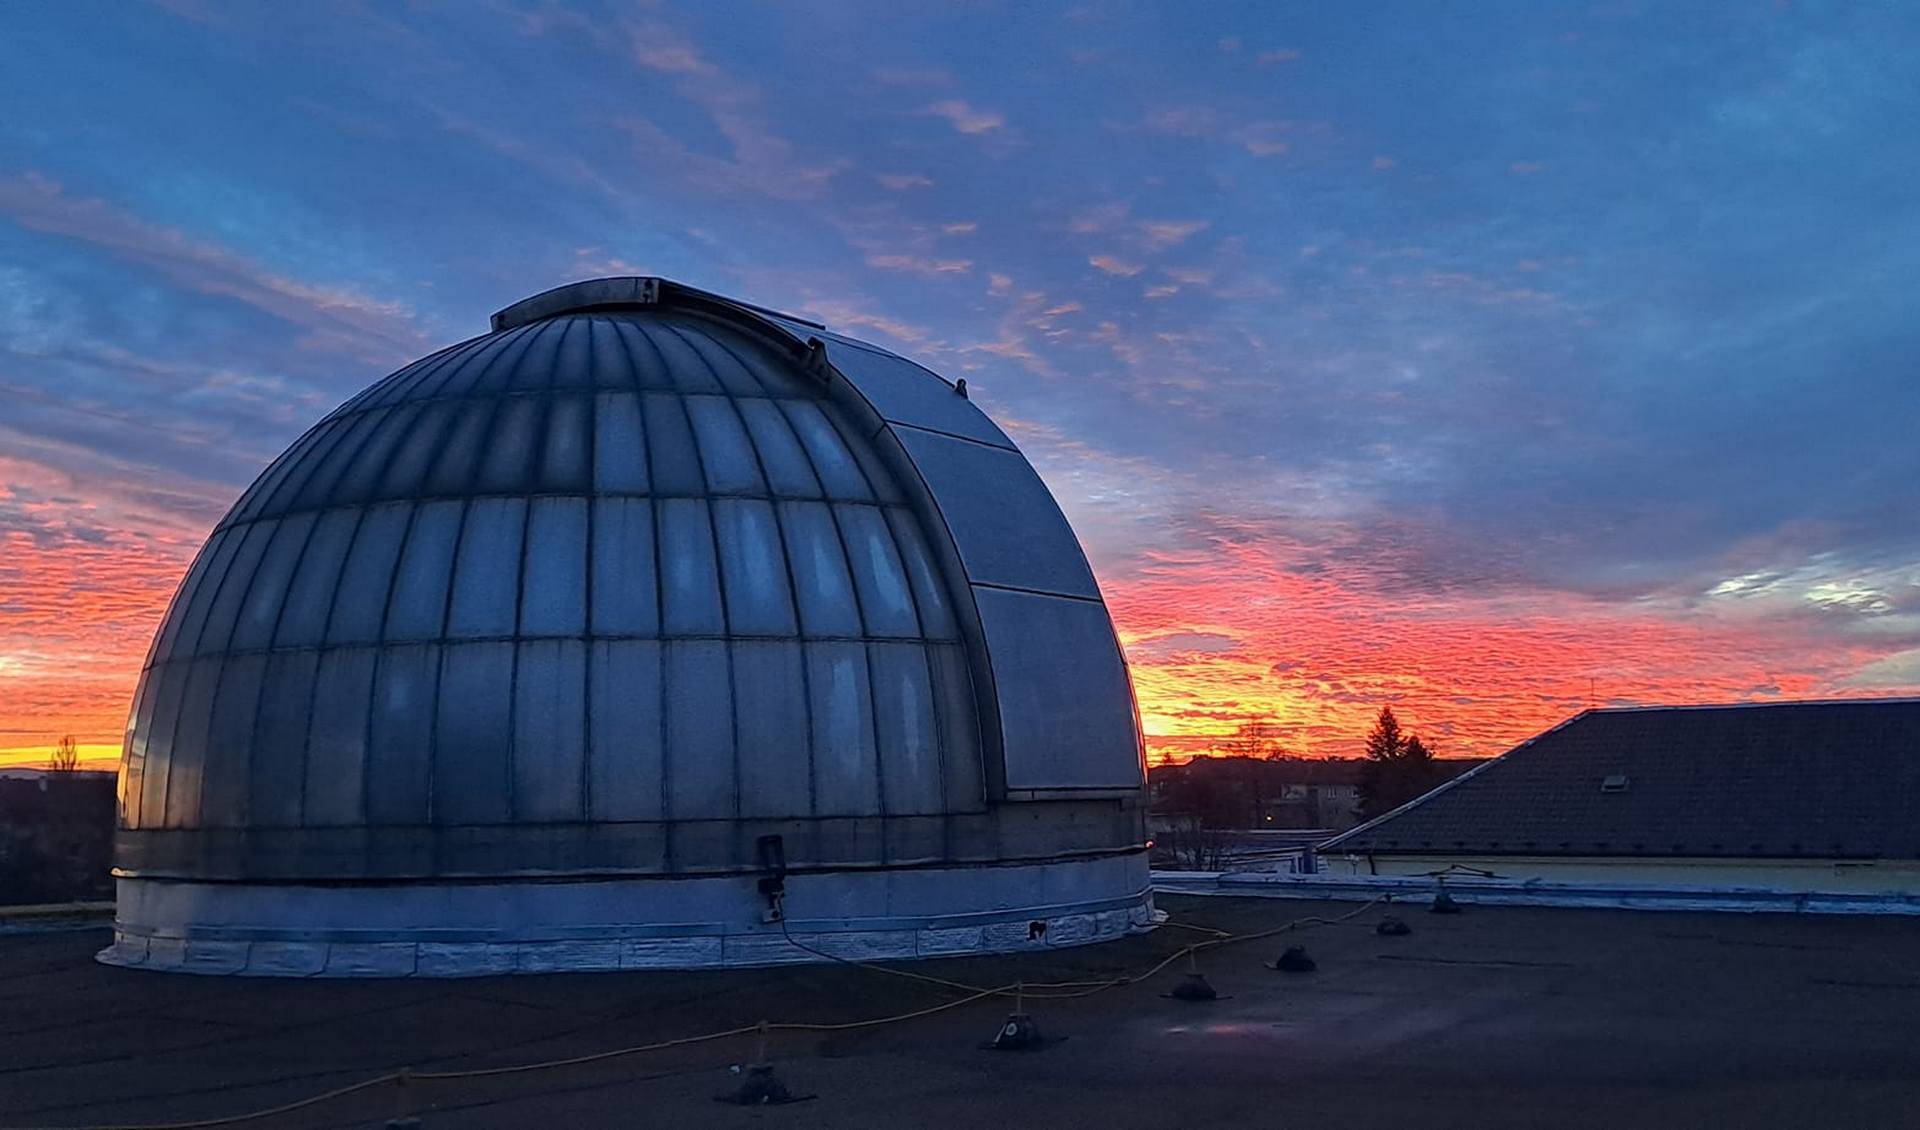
(1484, 361)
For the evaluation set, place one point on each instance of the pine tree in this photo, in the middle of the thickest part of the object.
(1385, 742)
(1399, 767)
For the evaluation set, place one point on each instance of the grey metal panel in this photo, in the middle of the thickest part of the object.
(672, 459)
(625, 600)
(620, 444)
(549, 732)
(886, 600)
(725, 451)
(537, 367)
(366, 579)
(565, 460)
(840, 476)
(276, 773)
(823, 587)
(690, 586)
(1007, 527)
(231, 591)
(880, 481)
(230, 739)
(846, 768)
(418, 606)
(461, 449)
(904, 393)
(260, 609)
(644, 370)
(303, 618)
(188, 760)
(689, 372)
(510, 359)
(789, 471)
(907, 729)
(930, 597)
(405, 473)
(172, 680)
(554, 597)
(486, 576)
(291, 476)
(316, 482)
(133, 753)
(1066, 709)
(507, 463)
(400, 753)
(953, 699)
(363, 478)
(625, 766)
(472, 735)
(572, 364)
(723, 362)
(195, 598)
(699, 731)
(429, 376)
(269, 481)
(770, 718)
(753, 568)
(335, 776)
(607, 357)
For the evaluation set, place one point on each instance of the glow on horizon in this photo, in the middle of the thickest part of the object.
(1357, 393)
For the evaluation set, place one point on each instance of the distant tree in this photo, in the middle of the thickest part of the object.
(66, 756)
(1385, 742)
(1258, 738)
(1399, 767)
(1417, 759)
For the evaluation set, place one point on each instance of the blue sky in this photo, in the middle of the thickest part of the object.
(1434, 324)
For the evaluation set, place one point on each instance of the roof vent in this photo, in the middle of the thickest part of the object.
(1614, 783)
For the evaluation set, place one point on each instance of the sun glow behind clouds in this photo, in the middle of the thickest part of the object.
(1483, 416)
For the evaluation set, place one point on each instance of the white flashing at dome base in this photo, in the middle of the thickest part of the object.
(492, 928)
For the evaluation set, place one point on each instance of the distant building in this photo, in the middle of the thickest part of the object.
(56, 836)
(1811, 796)
(1265, 793)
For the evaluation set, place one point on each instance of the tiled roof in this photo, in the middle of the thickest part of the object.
(1811, 779)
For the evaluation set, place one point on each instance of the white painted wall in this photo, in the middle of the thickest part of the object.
(1817, 875)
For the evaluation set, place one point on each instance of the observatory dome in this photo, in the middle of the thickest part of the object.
(616, 636)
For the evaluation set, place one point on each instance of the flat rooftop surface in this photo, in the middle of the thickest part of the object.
(1498, 1017)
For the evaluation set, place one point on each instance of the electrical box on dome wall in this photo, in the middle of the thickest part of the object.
(640, 580)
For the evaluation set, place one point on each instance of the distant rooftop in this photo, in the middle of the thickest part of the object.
(1837, 779)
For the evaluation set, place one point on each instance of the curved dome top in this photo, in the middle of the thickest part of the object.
(618, 588)
(610, 566)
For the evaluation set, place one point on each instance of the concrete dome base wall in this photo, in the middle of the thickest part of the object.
(490, 928)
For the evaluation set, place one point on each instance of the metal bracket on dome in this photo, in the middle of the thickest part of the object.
(813, 359)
